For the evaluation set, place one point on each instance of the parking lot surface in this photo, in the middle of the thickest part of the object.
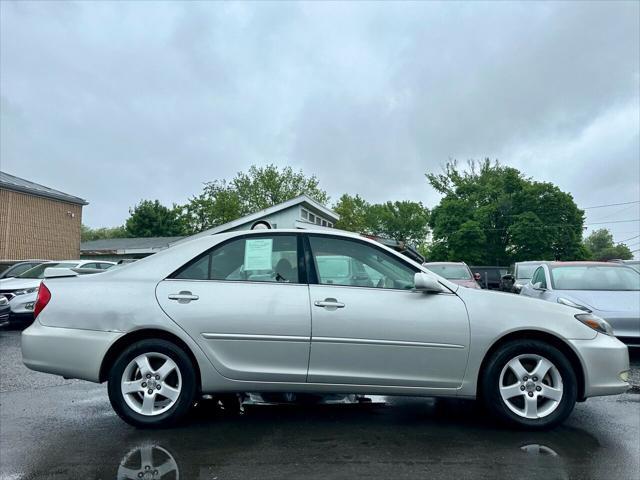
(52, 428)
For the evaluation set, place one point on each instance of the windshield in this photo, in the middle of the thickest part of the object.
(594, 277)
(526, 271)
(38, 272)
(451, 272)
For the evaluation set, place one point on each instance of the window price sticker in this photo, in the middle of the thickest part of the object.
(257, 254)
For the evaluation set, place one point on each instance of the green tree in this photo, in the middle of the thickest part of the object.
(601, 247)
(263, 187)
(403, 220)
(260, 187)
(493, 214)
(218, 203)
(354, 214)
(150, 218)
(88, 233)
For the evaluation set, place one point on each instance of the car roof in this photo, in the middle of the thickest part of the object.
(583, 263)
(444, 263)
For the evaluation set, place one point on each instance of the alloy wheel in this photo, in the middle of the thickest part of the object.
(531, 386)
(151, 383)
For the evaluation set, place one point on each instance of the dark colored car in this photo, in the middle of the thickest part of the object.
(519, 274)
(490, 277)
(5, 309)
(13, 268)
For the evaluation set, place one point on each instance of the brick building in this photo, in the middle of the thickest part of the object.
(38, 221)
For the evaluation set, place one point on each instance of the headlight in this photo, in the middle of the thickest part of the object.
(569, 303)
(595, 322)
(24, 291)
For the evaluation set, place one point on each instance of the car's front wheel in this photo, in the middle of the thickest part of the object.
(529, 383)
(152, 384)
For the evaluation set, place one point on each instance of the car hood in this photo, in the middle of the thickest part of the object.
(607, 301)
(19, 283)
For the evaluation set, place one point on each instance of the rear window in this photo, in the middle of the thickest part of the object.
(451, 272)
(38, 272)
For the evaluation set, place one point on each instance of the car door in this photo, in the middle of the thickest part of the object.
(246, 302)
(377, 330)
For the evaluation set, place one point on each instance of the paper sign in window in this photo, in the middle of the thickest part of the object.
(257, 254)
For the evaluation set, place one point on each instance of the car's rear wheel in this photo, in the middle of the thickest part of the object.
(152, 384)
(529, 383)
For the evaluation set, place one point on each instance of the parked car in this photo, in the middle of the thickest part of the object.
(231, 313)
(4, 312)
(21, 306)
(609, 290)
(28, 282)
(519, 274)
(457, 272)
(13, 268)
(490, 277)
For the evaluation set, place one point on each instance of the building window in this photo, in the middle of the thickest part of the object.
(305, 214)
(330, 225)
(312, 217)
(324, 223)
(318, 221)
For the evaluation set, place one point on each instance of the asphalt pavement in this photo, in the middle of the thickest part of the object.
(52, 428)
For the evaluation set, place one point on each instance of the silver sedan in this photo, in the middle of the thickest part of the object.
(609, 290)
(276, 311)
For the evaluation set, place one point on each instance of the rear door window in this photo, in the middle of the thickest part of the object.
(263, 258)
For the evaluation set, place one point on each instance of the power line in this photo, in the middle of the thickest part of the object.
(611, 205)
(627, 239)
(615, 221)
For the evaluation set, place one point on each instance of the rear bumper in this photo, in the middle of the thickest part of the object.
(69, 352)
(604, 359)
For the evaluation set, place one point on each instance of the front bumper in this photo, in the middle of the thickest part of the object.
(604, 359)
(69, 352)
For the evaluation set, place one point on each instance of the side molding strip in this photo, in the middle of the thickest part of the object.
(396, 343)
(244, 336)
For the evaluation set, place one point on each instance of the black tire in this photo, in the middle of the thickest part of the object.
(187, 392)
(490, 381)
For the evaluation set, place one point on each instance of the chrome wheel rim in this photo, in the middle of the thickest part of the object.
(531, 386)
(151, 384)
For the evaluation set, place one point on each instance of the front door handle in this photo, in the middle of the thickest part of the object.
(183, 297)
(329, 303)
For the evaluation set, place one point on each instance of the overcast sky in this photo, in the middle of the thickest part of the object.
(115, 102)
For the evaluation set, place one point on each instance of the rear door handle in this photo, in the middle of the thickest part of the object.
(329, 303)
(183, 297)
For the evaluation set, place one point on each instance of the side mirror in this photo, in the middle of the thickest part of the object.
(426, 283)
(538, 286)
(508, 277)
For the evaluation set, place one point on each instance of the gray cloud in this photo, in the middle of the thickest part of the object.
(122, 101)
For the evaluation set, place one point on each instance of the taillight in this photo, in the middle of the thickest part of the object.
(44, 295)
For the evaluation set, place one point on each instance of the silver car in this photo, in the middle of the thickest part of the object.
(609, 290)
(271, 311)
